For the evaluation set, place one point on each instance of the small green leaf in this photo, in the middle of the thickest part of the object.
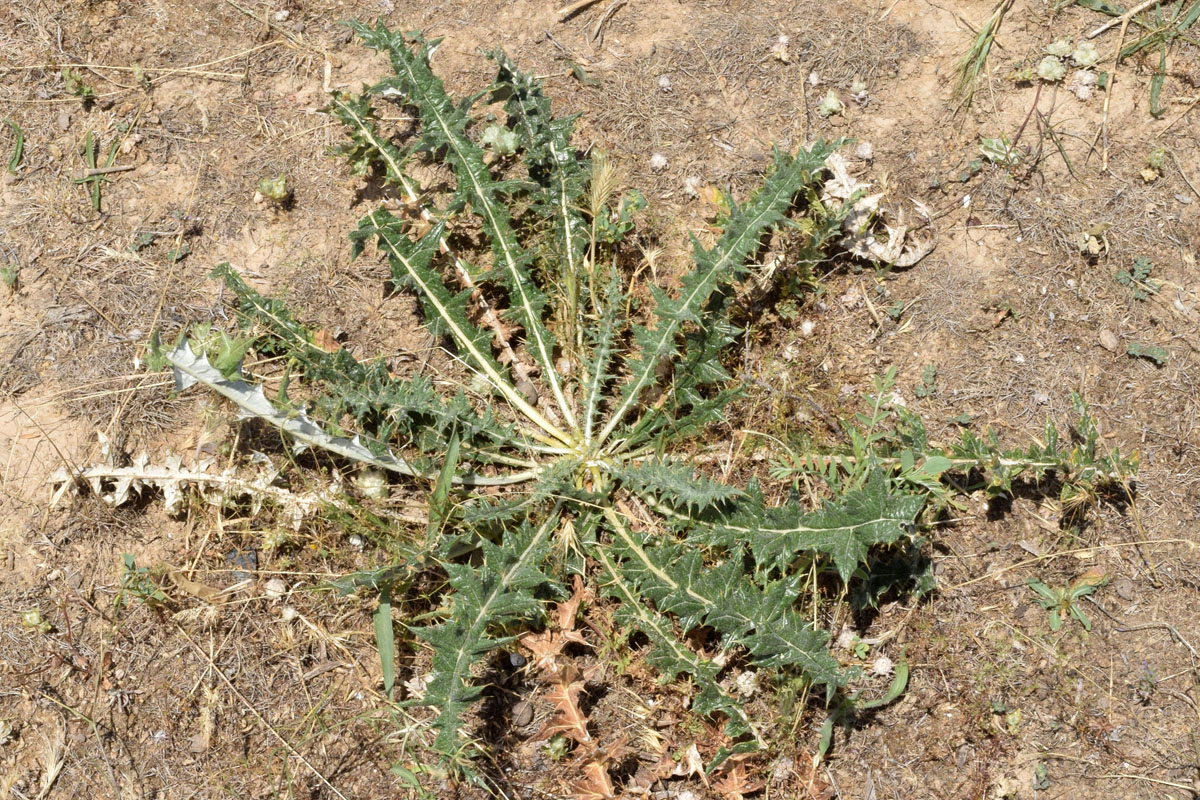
(18, 146)
(385, 641)
(936, 465)
(895, 689)
(275, 189)
(1151, 352)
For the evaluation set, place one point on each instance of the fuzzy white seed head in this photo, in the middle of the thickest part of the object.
(1051, 69)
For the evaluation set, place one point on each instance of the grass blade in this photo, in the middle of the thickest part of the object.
(385, 641)
(18, 146)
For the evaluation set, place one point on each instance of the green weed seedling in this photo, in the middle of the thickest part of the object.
(96, 179)
(1000, 150)
(18, 151)
(928, 385)
(139, 583)
(74, 83)
(1063, 602)
(1150, 352)
(1137, 278)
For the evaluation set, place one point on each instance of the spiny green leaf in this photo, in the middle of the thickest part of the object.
(497, 592)
(722, 264)
(671, 657)
(443, 127)
(676, 484)
(726, 599)
(844, 529)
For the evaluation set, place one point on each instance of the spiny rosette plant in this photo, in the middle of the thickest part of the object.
(562, 447)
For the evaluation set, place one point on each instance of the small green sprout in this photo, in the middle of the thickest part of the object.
(32, 619)
(1137, 278)
(1023, 75)
(999, 150)
(557, 748)
(1150, 352)
(276, 190)
(18, 146)
(928, 387)
(74, 83)
(1059, 603)
(499, 139)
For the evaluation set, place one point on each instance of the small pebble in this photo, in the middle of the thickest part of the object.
(1108, 340)
(528, 390)
(275, 589)
(865, 151)
(664, 83)
(1041, 398)
(64, 121)
(522, 714)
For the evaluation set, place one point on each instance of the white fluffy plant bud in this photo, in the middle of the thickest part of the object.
(1051, 69)
(372, 483)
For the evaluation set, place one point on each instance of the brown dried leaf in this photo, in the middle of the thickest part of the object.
(734, 785)
(324, 339)
(565, 612)
(547, 646)
(692, 764)
(597, 783)
(568, 718)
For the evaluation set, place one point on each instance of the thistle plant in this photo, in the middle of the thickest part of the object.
(578, 392)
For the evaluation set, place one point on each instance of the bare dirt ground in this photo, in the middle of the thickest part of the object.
(247, 690)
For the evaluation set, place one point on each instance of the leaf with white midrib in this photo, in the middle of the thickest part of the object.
(495, 593)
(723, 262)
(426, 93)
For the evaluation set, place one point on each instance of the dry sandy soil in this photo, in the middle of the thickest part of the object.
(243, 693)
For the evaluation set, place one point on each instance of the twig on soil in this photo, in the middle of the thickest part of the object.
(1112, 87)
(1123, 20)
(1158, 781)
(1181, 115)
(569, 10)
(1048, 556)
(1169, 628)
(144, 70)
(597, 36)
(91, 173)
(1183, 174)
